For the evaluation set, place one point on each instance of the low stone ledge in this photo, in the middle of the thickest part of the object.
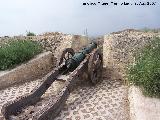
(141, 107)
(33, 69)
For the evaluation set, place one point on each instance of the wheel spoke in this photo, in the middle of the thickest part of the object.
(64, 58)
(68, 55)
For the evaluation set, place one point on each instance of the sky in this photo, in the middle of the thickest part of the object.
(71, 16)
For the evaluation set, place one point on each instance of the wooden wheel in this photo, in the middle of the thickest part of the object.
(95, 66)
(66, 54)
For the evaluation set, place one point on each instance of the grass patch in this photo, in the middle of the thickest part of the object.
(17, 52)
(145, 72)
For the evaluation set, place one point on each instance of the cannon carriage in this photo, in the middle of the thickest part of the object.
(69, 68)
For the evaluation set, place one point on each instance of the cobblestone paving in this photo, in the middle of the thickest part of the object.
(105, 101)
(12, 93)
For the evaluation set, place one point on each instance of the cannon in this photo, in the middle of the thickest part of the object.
(70, 66)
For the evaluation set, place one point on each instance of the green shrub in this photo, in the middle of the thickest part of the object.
(17, 52)
(146, 70)
(150, 30)
(30, 34)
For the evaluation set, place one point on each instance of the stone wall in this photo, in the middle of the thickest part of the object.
(142, 107)
(78, 42)
(118, 48)
(34, 69)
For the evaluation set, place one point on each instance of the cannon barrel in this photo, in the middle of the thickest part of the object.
(73, 62)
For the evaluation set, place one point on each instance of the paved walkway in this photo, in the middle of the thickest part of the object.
(105, 101)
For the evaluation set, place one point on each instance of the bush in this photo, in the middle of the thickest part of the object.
(17, 52)
(150, 30)
(146, 70)
(30, 34)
